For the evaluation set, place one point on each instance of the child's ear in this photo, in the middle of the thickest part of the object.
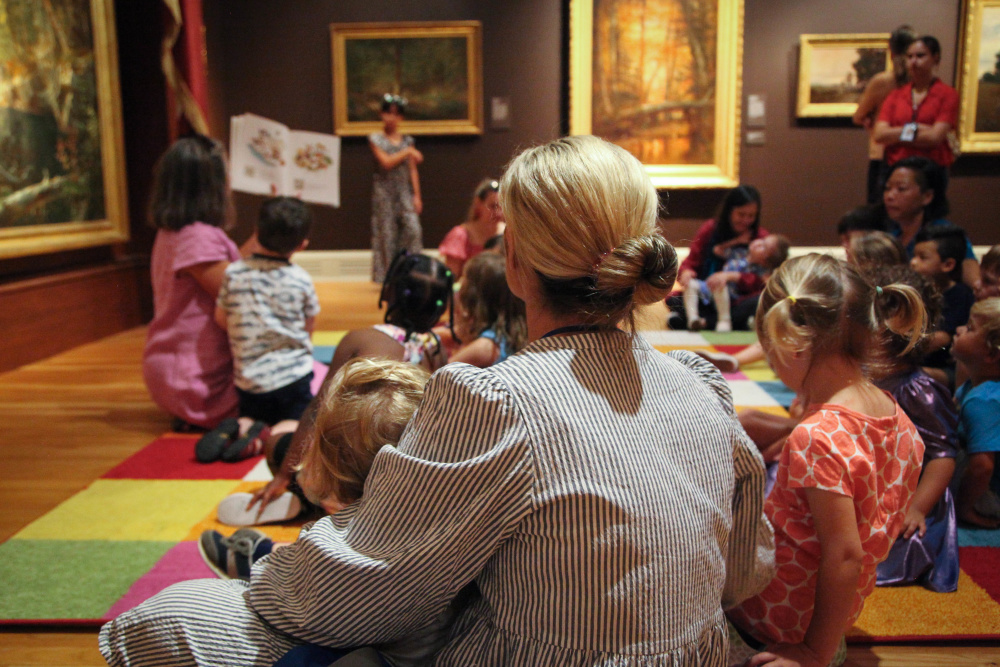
(303, 245)
(948, 265)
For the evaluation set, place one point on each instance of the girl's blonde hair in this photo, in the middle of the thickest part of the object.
(823, 305)
(870, 250)
(987, 316)
(367, 405)
(583, 216)
(488, 301)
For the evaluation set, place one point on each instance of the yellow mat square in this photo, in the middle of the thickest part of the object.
(130, 509)
(277, 532)
(327, 337)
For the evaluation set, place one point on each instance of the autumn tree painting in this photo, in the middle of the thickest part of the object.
(654, 78)
(50, 148)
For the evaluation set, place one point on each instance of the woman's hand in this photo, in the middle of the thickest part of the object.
(787, 655)
(416, 155)
(418, 204)
(686, 276)
(718, 280)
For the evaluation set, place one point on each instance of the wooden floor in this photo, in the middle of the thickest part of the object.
(67, 420)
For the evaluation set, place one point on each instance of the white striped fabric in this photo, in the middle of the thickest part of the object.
(601, 495)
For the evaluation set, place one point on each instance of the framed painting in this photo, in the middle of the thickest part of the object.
(62, 171)
(979, 77)
(435, 66)
(834, 70)
(661, 78)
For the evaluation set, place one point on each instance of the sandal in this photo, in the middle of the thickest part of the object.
(211, 445)
(249, 444)
(232, 557)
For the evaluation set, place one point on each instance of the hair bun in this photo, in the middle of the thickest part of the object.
(645, 264)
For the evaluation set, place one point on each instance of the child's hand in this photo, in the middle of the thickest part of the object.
(915, 522)
(418, 204)
(266, 494)
(787, 655)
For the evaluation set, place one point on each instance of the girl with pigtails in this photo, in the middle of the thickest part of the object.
(848, 471)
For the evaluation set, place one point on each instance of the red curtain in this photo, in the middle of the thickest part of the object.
(183, 59)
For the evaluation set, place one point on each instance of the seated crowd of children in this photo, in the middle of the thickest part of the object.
(894, 356)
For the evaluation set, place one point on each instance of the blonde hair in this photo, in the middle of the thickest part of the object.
(870, 250)
(987, 316)
(583, 216)
(367, 405)
(821, 304)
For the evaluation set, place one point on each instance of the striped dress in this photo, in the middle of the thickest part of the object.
(601, 495)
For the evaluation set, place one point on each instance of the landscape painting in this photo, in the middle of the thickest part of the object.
(834, 70)
(661, 79)
(434, 66)
(61, 163)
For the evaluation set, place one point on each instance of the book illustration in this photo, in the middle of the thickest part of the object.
(313, 157)
(267, 148)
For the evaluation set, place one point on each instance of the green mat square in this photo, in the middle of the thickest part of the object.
(729, 337)
(70, 579)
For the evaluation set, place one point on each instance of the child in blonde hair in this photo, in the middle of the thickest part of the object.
(977, 349)
(847, 472)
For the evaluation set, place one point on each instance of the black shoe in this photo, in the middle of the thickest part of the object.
(247, 445)
(212, 444)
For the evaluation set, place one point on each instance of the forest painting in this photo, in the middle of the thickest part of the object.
(661, 79)
(434, 66)
(52, 143)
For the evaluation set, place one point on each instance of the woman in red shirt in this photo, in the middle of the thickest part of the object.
(916, 119)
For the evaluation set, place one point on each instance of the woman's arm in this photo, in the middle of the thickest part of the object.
(878, 88)
(841, 556)
(885, 133)
(696, 253)
(418, 202)
(388, 161)
(929, 136)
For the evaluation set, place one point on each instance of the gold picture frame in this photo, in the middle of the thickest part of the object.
(436, 66)
(685, 140)
(834, 70)
(979, 77)
(64, 154)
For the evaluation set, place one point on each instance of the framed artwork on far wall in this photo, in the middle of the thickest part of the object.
(62, 157)
(834, 70)
(435, 66)
(661, 78)
(979, 77)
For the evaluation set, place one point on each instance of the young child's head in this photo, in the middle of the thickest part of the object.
(989, 275)
(824, 306)
(739, 212)
(190, 185)
(978, 342)
(898, 353)
(869, 250)
(367, 405)
(939, 252)
(393, 108)
(769, 252)
(485, 201)
(283, 225)
(485, 301)
(858, 221)
(417, 291)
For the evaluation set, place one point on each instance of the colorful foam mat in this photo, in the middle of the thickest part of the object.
(134, 531)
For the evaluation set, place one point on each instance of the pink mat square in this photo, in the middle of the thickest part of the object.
(181, 563)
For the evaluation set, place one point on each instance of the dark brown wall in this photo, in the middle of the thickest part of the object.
(274, 61)
(270, 59)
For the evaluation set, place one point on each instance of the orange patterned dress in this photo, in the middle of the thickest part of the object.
(874, 461)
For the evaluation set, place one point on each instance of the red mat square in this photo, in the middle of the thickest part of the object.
(171, 456)
(983, 565)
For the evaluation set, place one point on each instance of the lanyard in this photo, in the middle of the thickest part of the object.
(916, 107)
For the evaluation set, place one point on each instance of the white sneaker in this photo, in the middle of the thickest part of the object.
(723, 326)
(233, 510)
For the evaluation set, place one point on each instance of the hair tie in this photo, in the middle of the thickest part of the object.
(878, 291)
(792, 299)
(600, 260)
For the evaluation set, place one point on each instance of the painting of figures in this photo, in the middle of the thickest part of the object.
(52, 146)
(661, 79)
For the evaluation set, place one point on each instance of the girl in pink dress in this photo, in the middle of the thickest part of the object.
(485, 221)
(187, 365)
(847, 472)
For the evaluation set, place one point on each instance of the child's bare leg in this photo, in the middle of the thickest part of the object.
(721, 298)
(280, 429)
(767, 430)
(750, 354)
(975, 483)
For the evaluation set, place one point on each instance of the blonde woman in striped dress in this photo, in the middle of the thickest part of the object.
(602, 496)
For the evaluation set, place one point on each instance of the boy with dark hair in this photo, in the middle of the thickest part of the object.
(938, 254)
(267, 305)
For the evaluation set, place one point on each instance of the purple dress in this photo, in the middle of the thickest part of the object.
(187, 364)
(931, 560)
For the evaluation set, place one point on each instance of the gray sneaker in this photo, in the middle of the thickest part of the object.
(232, 557)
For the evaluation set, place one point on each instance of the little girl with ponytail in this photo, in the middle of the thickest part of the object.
(848, 471)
